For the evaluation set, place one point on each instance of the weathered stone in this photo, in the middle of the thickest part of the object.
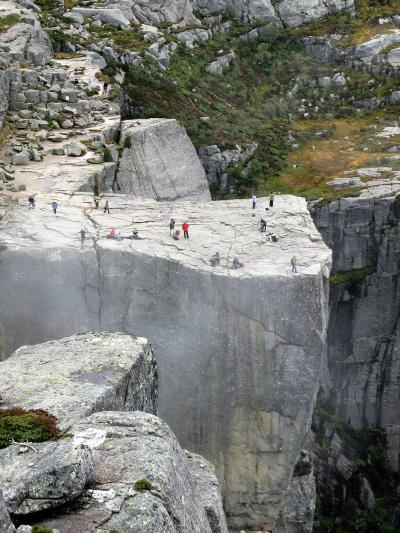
(364, 332)
(4, 95)
(32, 482)
(76, 149)
(297, 12)
(20, 159)
(78, 375)
(297, 515)
(221, 64)
(128, 447)
(159, 161)
(243, 425)
(111, 17)
(6, 526)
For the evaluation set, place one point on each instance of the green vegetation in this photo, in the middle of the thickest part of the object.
(302, 468)
(243, 106)
(48, 5)
(355, 30)
(143, 484)
(7, 22)
(41, 529)
(352, 276)
(129, 39)
(369, 446)
(127, 142)
(26, 426)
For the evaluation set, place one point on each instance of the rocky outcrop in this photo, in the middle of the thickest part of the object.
(297, 12)
(116, 470)
(159, 161)
(25, 42)
(217, 164)
(131, 447)
(297, 515)
(56, 473)
(238, 383)
(79, 375)
(363, 338)
(5, 521)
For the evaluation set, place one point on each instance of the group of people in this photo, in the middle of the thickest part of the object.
(32, 204)
(271, 200)
(215, 260)
(175, 232)
(134, 236)
(272, 237)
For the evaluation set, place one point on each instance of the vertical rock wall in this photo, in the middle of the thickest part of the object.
(239, 352)
(364, 326)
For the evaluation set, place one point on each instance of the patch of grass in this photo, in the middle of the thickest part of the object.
(26, 426)
(48, 5)
(129, 39)
(94, 161)
(143, 484)
(8, 22)
(355, 29)
(41, 529)
(352, 276)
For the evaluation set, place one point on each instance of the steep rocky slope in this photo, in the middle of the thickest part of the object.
(115, 469)
(238, 384)
(361, 387)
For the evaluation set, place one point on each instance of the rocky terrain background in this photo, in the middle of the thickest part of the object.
(296, 97)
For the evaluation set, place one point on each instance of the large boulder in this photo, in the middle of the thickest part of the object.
(159, 161)
(44, 477)
(109, 17)
(26, 42)
(6, 526)
(74, 377)
(143, 481)
(297, 12)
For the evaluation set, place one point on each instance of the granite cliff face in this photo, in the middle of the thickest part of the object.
(361, 385)
(88, 480)
(363, 338)
(237, 385)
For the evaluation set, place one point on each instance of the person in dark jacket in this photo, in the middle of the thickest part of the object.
(171, 226)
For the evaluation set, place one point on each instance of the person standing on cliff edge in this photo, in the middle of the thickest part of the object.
(254, 201)
(271, 199)
(185, 227)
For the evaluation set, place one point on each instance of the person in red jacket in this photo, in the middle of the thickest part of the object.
(185, 227)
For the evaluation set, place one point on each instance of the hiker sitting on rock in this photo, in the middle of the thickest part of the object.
(236, 263)
(215, 259)
(112, 235)
(134, 236)
(272, 237)
(176, 235)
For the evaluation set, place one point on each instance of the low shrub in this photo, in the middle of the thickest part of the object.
(143, 484)
(26, 426)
